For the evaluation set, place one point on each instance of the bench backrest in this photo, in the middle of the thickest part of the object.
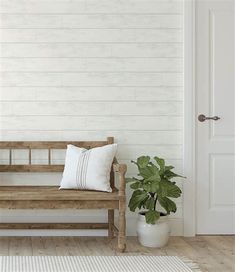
(49, 167)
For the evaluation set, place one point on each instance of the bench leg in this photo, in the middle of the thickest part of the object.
(122, 232)
(122, 208)
(111, 223)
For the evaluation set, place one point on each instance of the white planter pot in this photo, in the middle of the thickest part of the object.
(156, 235)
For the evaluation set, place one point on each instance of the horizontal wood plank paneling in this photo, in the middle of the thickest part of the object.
(121, 123)
(91, 35)
(91, 65)
(88, 93)
(91, 21)
(92, 6)
(127, 137)
(52, 79)
(88, 69)
(92, 50)
(91, 108)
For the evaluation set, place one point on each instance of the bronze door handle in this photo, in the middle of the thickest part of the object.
(202, 118)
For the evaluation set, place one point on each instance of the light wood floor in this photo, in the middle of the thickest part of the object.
(212, 253)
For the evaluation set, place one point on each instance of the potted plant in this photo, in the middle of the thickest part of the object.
(153, 190)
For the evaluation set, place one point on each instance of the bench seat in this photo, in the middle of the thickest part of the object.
(50, 197)
(53, 193)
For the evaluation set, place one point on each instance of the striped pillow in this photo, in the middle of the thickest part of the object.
(88, 169)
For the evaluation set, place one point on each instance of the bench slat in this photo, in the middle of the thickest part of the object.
(52, 193)
(49, 144)
(44, 168)
(17, 226)
(58, 204)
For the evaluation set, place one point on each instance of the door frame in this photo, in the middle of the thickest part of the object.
(189, 152)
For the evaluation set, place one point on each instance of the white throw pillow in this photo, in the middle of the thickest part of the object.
(88, 169)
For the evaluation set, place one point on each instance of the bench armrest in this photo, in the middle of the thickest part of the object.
(121, 170)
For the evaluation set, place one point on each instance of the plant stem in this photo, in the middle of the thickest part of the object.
(155, 203)
(152, 195)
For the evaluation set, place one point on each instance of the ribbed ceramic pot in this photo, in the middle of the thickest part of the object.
(153, 235)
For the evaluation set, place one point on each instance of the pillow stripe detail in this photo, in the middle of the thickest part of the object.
(82, 181)
(82, 169)
(78, 168)
(88, 152)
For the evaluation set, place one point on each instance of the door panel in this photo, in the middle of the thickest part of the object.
(221, 31)
(215, 75)
(222, 192)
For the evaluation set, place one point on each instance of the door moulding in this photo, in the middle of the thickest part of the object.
(189, 160)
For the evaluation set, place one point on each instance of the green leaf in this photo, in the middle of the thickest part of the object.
(128, 180)
(146, 172)
(170, 174)
(150, 203)
(154, 187)
(151, 217)
(155, 169)
(150, 172)
(137, 192)
(143, 161)
(174, 191)
(163, 189)
(147, 187)
(137, 198)
(167, 204)
(169, 167)
(155, 177)
(151, 186)
(168, 188)
(161, 163)
(135, 185)
(142, 202)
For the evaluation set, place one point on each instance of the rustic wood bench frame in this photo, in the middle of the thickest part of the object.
(17, 197)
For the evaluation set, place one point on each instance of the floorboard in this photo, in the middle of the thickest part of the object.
(211, 253)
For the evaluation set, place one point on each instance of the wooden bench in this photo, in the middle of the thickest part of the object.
(49, 197)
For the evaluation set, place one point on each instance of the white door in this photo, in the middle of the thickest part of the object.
(215, 88)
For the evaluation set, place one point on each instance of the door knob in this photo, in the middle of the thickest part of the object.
(203, 118)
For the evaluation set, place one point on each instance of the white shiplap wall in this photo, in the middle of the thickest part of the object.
(87, 69)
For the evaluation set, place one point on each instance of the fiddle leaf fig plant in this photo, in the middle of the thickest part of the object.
(153, 187)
